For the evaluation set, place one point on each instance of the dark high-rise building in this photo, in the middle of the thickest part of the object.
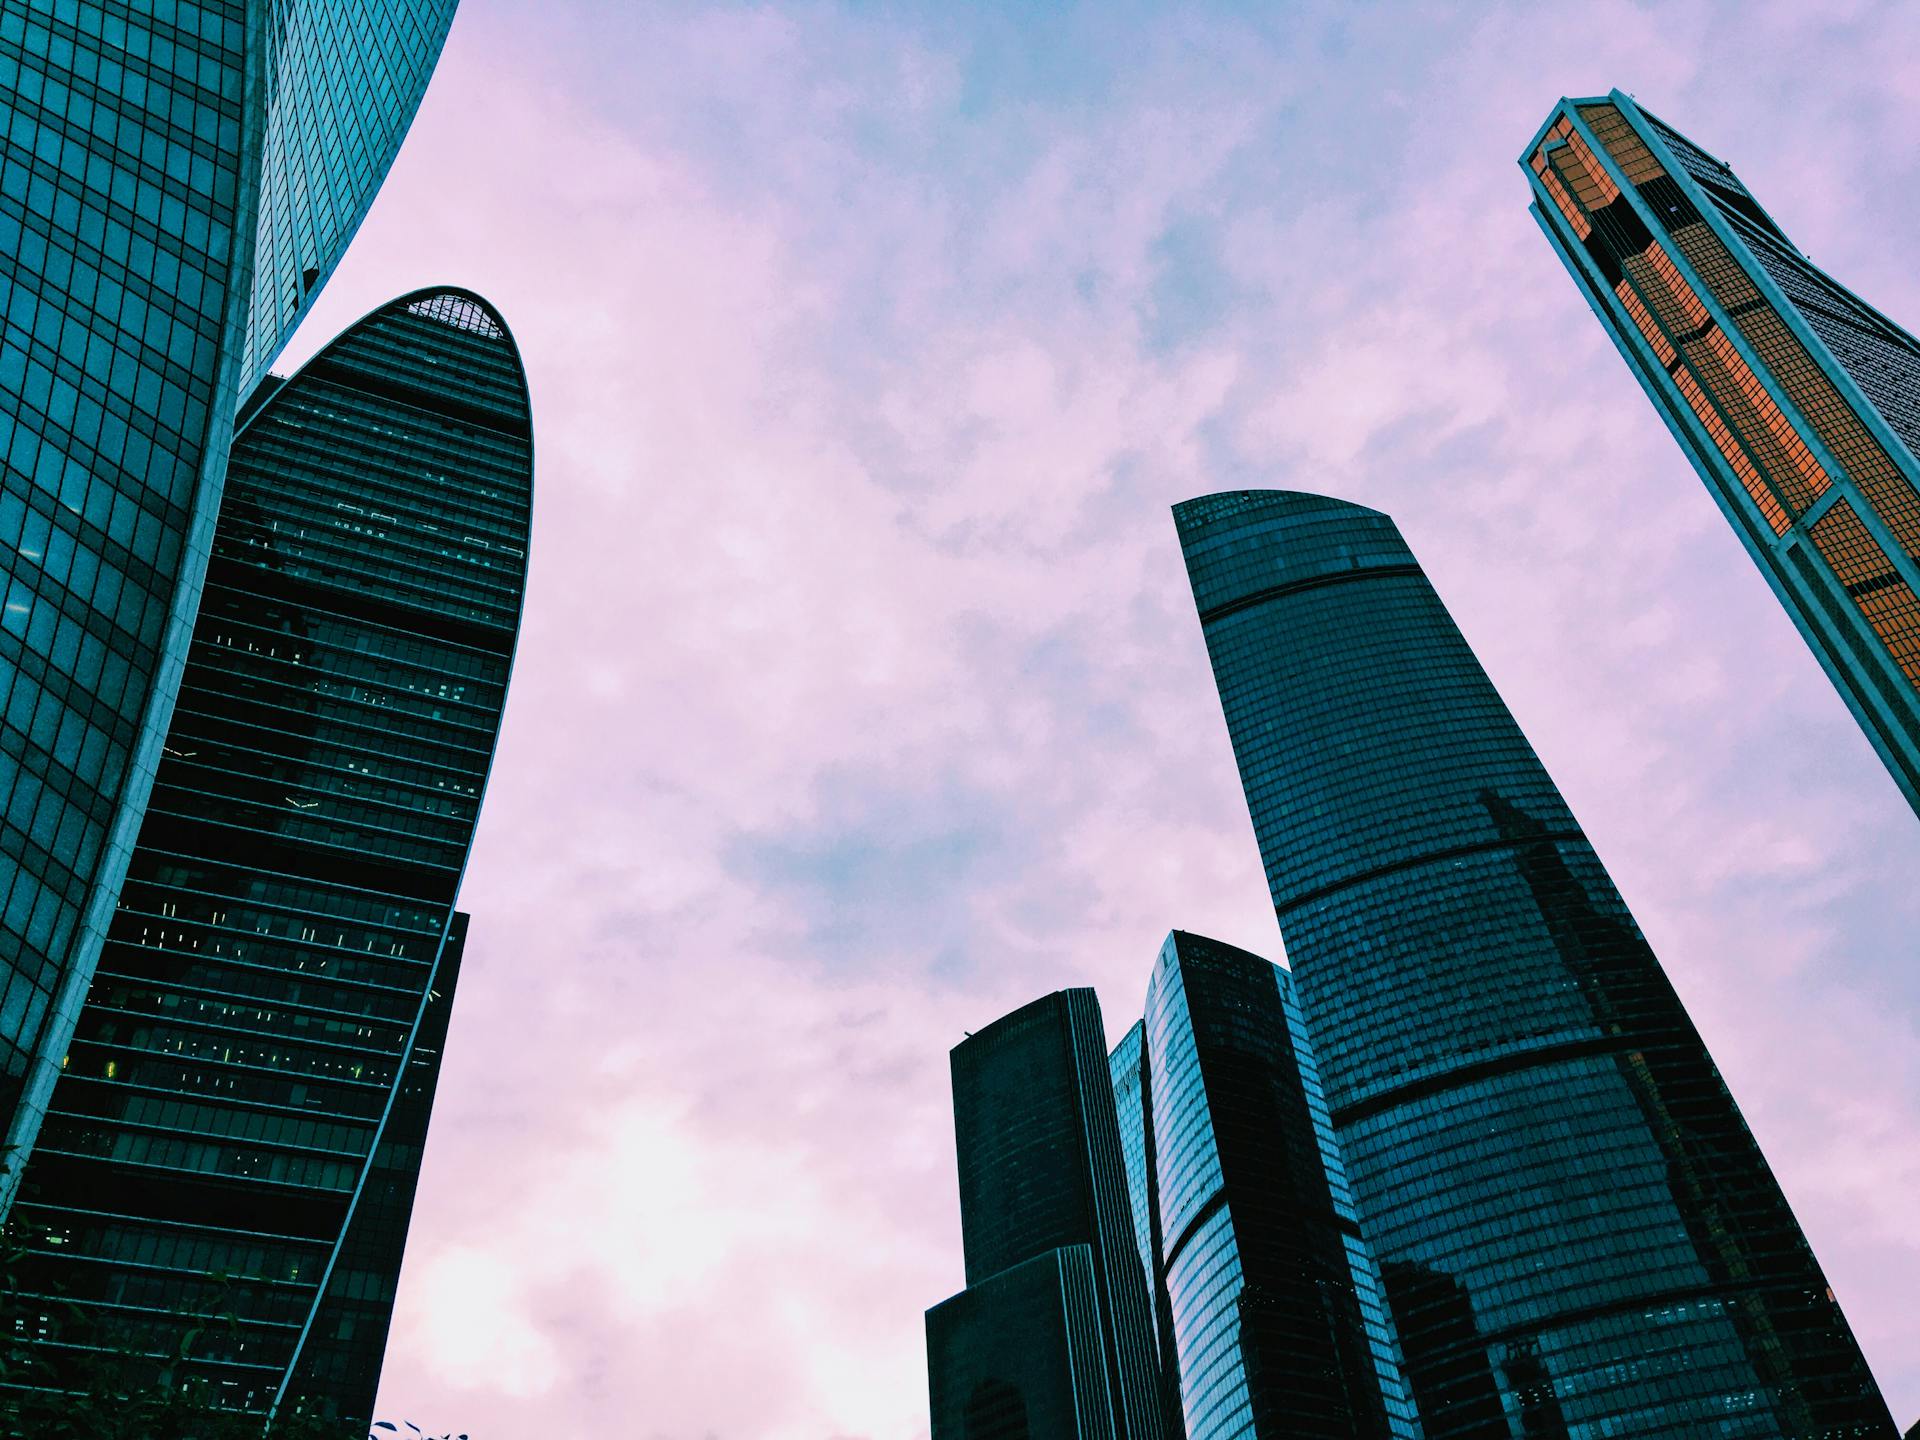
(1022, 1355)
(234, 1139)
(1576, 1231)
(1269, 1306)
(1133, 1106)
(1042, 1175)
(176, 182)
(1797, 402)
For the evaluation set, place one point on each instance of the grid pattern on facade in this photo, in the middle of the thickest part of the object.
(131, 165)
(1041, 1168)
(1549, 178)
(1750, 479)
(1713, 175)
(1574, 1228)
(460, 313)
(1887, 371)
(1018, 1356)
(1883, 597)
(1830, 399)
(1754, 422)
(253, 1066)
(119, 178)
(1882, 359)
(1787, 362)
(1617, 137)
(348, 1328)
(346, 77)
(1813, 394)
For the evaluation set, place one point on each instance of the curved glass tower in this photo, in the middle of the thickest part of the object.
(1576, 1231)
(1133, 1108)
(237, 1129)
(1272, 1302)
(1797, 402)
(175, 183)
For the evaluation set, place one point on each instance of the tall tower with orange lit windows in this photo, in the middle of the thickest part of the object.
(1797, 402)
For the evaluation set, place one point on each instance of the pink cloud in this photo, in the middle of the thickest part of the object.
(860, 697)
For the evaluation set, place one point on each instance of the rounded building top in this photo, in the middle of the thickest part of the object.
(1245, 544)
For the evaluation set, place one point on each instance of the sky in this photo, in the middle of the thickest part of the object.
(860, 697)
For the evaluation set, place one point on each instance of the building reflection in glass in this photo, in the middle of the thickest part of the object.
(1563, 1199)
(1272, 1308)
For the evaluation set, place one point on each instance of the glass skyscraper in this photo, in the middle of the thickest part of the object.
(1797, 402)
(1133, 1105)
(1271, 1306)
(1022, 1355)
(1042, 1175)
(1576, 1233)
(176, 181)
(234, 1138)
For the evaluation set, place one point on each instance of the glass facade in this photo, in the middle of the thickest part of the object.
(1797, 402)
(1273, 1306)
(1041, 1170)
(343, 79)
(1576, 1232)
(237, 1126)
(1133, 1105)
(1019, 1356)
(160, 161)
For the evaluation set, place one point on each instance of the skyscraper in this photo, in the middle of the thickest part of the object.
(1576, 1231)
(1041, 1175)
(1271, 1300)
(1022, 1355)
(176, 182)
(236, 1133)
(1133, 1109)
(1797, 402)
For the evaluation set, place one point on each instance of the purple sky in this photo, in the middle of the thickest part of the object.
(861, 698)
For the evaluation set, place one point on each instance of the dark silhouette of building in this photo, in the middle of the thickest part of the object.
(1449, 1371)
(176, 183)
(1564, 1201)
(1272, 1310)
(234, 1140)
(1022, 1354)
(1042, 1181)
(1797, 402)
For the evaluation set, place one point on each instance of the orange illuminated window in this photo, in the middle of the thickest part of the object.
(1833, 420)
(1550, 181)
(1750, 478)
(1583, 174)
(1626, 147)
(1736, 391)
(1883, 597)
(1646, 323)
